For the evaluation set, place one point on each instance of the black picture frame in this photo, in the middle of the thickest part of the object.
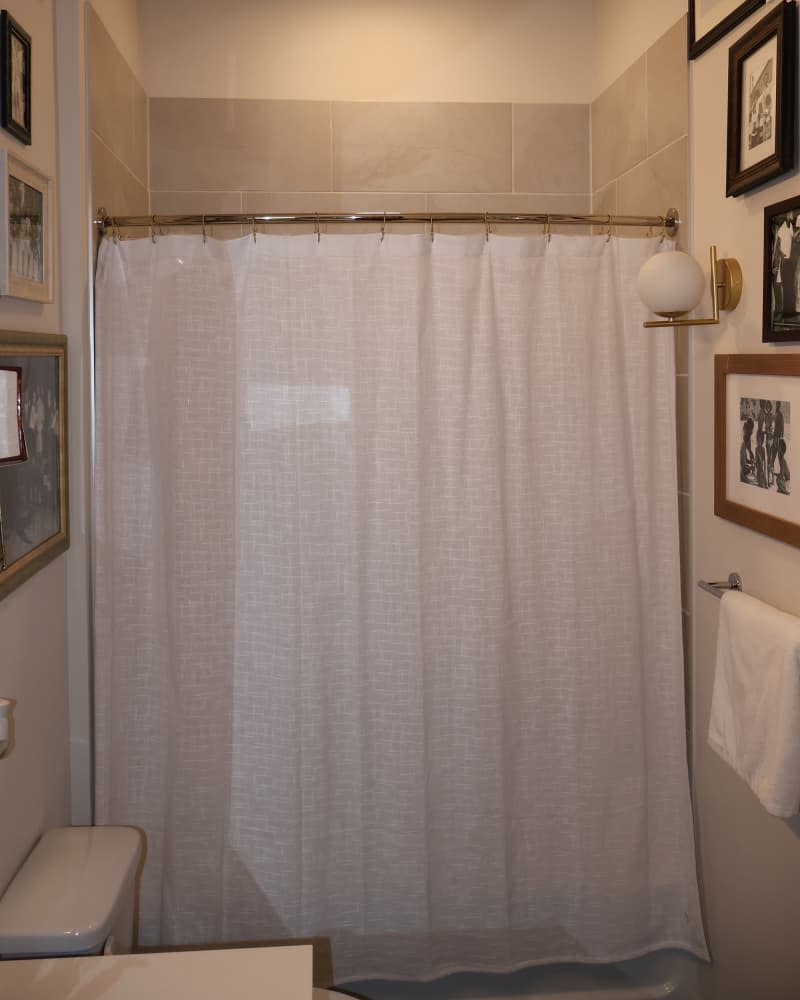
(761, 108)
(781, 295)
(34, 494)
(728, 17)
(15, 78)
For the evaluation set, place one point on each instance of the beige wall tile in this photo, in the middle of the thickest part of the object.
(202, 202)
(194, 202)
(659, 183)
(239, 145)
(619, 125)
(421, 147)
(682, 430)
(682, 350)
(114, 187)
(667, 88)
(556, 204)
(118, 102)
(334, 202)
(684, 527)
(604, 201)
(551, 147)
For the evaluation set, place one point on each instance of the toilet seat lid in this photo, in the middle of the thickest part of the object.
(64, 898)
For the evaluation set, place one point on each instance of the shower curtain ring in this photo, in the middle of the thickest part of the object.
(153, 229)
(204, 227)
(608, 231)
(431, 229)
(254, 229)
(316, 227)
(547, 232)
(486, 223)
(383, 227)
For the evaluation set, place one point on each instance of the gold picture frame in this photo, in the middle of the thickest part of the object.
(34, 494)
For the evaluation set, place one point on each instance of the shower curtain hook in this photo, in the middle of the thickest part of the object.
(114, 231)
(316, 227)
(431, 228)
(383, 227)
(547, 232)
(608, 231)
(254, 229)
(153, 229)
(486, 223)
(204, 227)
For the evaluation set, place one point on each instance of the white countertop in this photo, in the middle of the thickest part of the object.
(280, 973)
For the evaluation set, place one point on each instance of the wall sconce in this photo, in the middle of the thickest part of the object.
(12, 436)
(672, 283)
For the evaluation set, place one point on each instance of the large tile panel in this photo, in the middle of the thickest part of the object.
(421, 147)
(551, 148)
(205, 144)
(118, 101)
(114, 187)
(667, 88)
(619, 125)
(658, 183)
(336, 203)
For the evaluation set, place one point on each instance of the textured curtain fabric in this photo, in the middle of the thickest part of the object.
(388, 629)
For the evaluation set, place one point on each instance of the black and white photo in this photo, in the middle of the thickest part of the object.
(781, 306)
(762, 79)
(764, 450)
(15, 73)
(33, 491)
(25, 231)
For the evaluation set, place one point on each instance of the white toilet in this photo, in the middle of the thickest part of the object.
(74, 895)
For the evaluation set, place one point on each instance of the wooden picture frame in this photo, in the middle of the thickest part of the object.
(710, 20)
(781, 294)
(34, 504)
(762, 79)
(756, 446)
(15, 78)
(26, 231)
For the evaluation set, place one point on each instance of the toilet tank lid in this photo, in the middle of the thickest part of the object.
(64, 898)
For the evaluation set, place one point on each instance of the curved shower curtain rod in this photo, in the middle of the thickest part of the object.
(668, 223)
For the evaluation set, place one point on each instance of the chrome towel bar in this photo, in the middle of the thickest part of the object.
(718, 588)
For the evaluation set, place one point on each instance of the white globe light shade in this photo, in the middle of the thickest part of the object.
(671, 282)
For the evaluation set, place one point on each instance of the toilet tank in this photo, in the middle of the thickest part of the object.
(74, 895)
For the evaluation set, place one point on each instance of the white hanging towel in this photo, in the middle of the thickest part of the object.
(755, 707)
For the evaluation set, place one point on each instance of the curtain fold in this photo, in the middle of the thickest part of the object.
(387, 612)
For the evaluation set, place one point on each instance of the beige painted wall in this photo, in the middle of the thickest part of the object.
(34, 780)
(383, 50)
(750, 861)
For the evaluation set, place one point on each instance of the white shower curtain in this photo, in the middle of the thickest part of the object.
(388, 629)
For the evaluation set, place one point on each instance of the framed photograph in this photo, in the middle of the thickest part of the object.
(781, 302)
(26, 232)
(756, 445)
(762, 78)
(34, 513)
(709, 20)
(15, 70)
